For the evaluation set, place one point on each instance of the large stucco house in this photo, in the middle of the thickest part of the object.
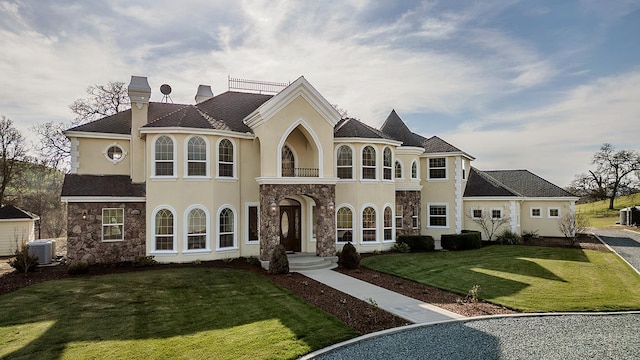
(238, 173)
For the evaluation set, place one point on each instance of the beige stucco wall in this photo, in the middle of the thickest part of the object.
(509, 210)
(13, 233)
(438, 192)
(545, 225)
(92, 157)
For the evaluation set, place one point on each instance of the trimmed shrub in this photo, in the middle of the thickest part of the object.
(23, 262)
(349, 257)
(417, 243)
(252, 260)
(465, 241)
(400, 247)
(528, 235)
(78, 268)
(279, 263)
(144, 261)
(508, 237)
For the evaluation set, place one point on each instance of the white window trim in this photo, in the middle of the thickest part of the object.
(391, 168)
(549, 212)
(398, 161)
(316, 140)
(376, 228)
(534, 216)
(353, 224)
(103, 224)
(295, 158)
(473, 217)
(105, 152)
(393, 224)
(417, 217)
(446, 169)
(235, 229)
(207, 248)
(362, 179)
(175, 158)
(353, 161)
(235, 160)
(153, 231)
(501, 210)
(399, 215)
(429, 205)
(246, 216)
(417, 177)
(207, 175)
(311, 208)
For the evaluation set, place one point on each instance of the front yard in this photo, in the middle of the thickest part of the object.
(526, 278)
(175, 313)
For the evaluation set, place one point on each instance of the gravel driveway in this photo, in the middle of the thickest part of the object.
(626, 243)
(567, 336)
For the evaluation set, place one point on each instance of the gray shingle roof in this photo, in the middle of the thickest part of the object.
(101, 185)
(12, 212)
(347, 128)
(511, 183)
(436, 145)
(396, 128)
(120, 123)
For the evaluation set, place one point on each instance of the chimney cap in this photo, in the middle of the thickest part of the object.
(204, 93)
(139, 84)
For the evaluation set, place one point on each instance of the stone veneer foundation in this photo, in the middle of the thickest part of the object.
(322, 194)
(84, 236)
(408, 199)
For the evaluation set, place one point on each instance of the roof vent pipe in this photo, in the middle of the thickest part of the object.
(204, 93)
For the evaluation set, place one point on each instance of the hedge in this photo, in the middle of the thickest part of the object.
(417, 243)
(465, 241)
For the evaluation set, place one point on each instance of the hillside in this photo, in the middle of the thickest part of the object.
(599, 214)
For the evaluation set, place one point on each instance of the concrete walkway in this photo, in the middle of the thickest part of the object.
(625, 243)
(405, 307)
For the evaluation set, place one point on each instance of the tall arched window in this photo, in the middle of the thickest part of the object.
(345, 162)
(288, 162)
(414, 170)
(386, 163)
(398, 170)
(369, 224)
(226, 229)
(197, 230)
(344, 224)
(196, 157)
(369, 163)
(164, 160)
(164, 230)
(225, 158)
(388, 224)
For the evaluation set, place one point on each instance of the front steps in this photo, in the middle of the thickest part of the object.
(308, 261)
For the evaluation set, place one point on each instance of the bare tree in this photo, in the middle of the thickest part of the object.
(13, 153)
(571, 225)
(489, 224)
(102, 100)
(53, 147)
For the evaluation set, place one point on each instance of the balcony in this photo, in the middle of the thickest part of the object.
(300, 172)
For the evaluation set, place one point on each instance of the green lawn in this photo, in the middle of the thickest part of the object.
(196, 313)
(599, 214)
(525, 278)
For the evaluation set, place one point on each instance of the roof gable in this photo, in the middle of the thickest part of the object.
(479, 184)
(521, 183)
(10, 212)
(396, 128)
(352, 128)
(101, 185)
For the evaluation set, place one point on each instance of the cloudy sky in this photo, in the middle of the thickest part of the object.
(537, 84)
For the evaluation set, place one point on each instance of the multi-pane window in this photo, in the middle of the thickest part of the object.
(414, 170)
(536, 212)
(398, 170)
(344, 224)
(438, 215)
(196, 157)
(288, 162)
(496, 214)
(399, 217)
(388, 224)
(164, 156)
(476, 213)
(253, 223)
(314, 222)
(197, 230)
(112, 224)
(164, 230)
(437, 168)
(368, 224)
(369, 163)
(345, 162)
(226, 231)
(415, 217)
(554, 212)
(386, 164)
(225, 158)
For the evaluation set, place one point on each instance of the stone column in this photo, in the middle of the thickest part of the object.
(408, 199)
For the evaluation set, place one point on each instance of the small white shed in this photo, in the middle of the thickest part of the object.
(16, 226)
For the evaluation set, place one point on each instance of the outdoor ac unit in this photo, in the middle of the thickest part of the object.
(41, 249)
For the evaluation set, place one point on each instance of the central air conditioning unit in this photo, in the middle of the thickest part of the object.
(44, 250)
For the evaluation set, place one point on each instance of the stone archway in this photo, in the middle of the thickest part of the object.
(322, 194)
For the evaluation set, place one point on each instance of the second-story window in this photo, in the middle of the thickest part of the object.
(369, 163)
(344, 162)
(196, 157)
(288, 162)
(398, 170)
(437, 168)
(225, 158)
(386, 164)
(164, 160)
(414, 170)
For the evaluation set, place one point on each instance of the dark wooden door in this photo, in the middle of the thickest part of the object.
(290, 228)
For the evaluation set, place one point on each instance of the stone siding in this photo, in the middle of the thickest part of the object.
(270, 224)
(408, 199)
(84, 238)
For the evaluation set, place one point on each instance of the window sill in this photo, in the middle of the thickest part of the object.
(346, 180)
(163, 252)
(388, 241)
(112, 241)
(229, 249)
(197, 178)
(369, 243)
(164, 178)
(226, 179)
(196, 252)
(437, 179)
(252, 242)
(369, 180)
(437, 227)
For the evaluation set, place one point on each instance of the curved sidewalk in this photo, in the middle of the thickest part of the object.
(625, 243)
(405, 307)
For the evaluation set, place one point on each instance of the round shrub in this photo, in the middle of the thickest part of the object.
(401, 247)
(279, 263)
(349, 257)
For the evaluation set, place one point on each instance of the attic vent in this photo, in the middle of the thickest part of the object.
(255, 86)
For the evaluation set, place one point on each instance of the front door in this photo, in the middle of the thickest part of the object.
(290, 228)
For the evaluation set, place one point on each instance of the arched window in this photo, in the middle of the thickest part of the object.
(226, 229)
(414, 170)
(345, 162)
(344, 225)
(164, 161)
(388, 224)
(368, 224)
(288, 162)
(164, 230)
(197, 230)
(196, 157)
(398, 170)
(225, 158)
(369, 163)
(386, 163)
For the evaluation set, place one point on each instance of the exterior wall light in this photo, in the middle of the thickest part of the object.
(273, 206)
(84, 214)
(331, 205)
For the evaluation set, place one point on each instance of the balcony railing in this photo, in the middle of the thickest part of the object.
(300, 172)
